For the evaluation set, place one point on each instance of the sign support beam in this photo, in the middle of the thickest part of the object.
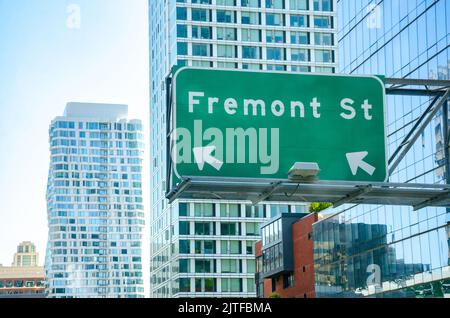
(352, 196)
(432, 201)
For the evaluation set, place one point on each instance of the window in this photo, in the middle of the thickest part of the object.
(229, 229)
(226, 34)
(226, 2)
(298, 4)
(204, 209)
(210, 285)
(323, 5)
(200, 15)
(250, 52)
(252, 229)
(324, 56)
(205, 247)
(202, 63)
(224, 16)
(181, 13)
(274, 19)
(299, 20)
(251, 286)
(323, 22)
(299, 37)
(251, 35)
(249, 247)
(250, 18)
(230, 210)
(185, 285)
(230, 265)
(275, 53)
(299, 55)
(273, 36)
(201, 49)
(251, 3)
(300, 68)
(251, 266)
(250, 66)
(231, 285)
(322, 69)
(227, 65)
(228, 51)
(204, 228)
(230, 247)
(288, 281)
(201, 32)
(184, 265)
(323, 39)
(204, 265)
(183, 209)
(181, 31)
(184, 228)
(205, 285)
(275, 4)
(185, 247)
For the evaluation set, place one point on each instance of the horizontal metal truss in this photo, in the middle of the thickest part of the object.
(416, 87)
(338, 193)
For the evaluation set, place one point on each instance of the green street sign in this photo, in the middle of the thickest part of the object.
(247, 124)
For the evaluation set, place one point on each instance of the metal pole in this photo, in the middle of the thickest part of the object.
(417, 124)
(419, 132)
(446, 141)
(168, 130)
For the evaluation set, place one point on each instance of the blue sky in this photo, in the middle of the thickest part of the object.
(43, 65)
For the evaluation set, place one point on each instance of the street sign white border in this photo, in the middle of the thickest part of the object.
(173, 109)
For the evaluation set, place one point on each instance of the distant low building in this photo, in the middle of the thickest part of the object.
(24, 279)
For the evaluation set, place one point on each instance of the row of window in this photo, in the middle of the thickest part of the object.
(255, 52)
(254, 35)
(209, 285)
(237, 210)
(257, 66)
(318, 5)
(209, 228)
(96, 126)
(227, 266)
(232, 247)
(97, 143)
(96, 134)
(20, 283)
(255, 18)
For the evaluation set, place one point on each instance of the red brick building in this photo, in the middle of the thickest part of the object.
(285, 258)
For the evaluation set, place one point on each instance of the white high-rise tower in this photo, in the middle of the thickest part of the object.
(94, 199)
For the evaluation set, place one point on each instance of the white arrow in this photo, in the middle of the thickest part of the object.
(356, 160)
(203, 155)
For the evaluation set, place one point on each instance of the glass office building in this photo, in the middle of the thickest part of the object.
(204, 248)
(391, 251)
(94, 200)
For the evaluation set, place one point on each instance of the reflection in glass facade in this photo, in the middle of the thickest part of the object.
(388, 251)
